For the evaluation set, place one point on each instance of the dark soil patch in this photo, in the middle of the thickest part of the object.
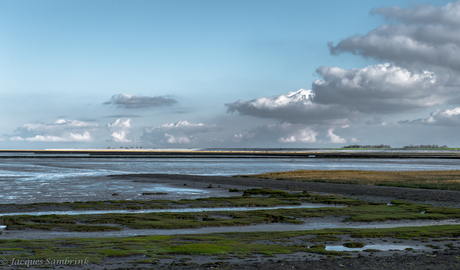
(345, 189)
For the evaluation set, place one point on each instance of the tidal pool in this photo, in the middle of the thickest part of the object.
(379, 247)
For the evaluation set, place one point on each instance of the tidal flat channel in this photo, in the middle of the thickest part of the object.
(177, 210)
(310, 224)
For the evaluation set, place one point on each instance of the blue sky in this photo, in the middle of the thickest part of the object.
(93, 74)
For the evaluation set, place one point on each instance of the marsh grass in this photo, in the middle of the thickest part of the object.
(353, 244)
(115, 222)
(357, 211)
(282, 198)
(236, 244)
(447, 180)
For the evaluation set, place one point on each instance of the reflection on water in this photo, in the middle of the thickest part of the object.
(67, 179)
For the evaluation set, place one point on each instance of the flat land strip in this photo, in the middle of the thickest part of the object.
(210, 153)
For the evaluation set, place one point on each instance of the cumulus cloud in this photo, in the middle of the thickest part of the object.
(343, 95)
(178, 139)
(422, 43)
(120, 129)
(381, 88)
(438, 117)
(295, 107)
(136, 102)
(335, 138)
(281, 132)
(61, 130)
(181, 132)
(422, 34)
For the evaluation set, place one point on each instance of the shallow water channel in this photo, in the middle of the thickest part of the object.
(174, 210)
(310, 224)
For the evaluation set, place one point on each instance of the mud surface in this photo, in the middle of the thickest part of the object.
(374, 193)
(421, 257)
(440, 260)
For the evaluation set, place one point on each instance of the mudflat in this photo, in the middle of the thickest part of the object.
(440, 252)
(376, 193)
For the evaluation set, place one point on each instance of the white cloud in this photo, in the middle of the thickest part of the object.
(72, 137)
(237, 137)
(60, 124)
(121, 123)
(422, 34)
(181, 132)
(381, 88)
(439, 117)
(120, 129)
(341, 96)
(283, 132)
(171, 139)
(61, 130)
(335, 138)
(136, 102)
(120, 136)
(305, 136)
(85, 137)
(294, 107)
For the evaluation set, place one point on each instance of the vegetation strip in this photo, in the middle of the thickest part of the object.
(358, 211)
(445, 180)
(235, 244)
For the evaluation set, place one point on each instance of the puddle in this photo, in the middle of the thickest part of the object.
(379, 247)
(177, 210)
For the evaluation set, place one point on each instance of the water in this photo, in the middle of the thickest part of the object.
(312, 224)
(174, 210)
(70, 179)
(379, 247)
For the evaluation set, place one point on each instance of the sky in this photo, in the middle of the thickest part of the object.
(228, 74)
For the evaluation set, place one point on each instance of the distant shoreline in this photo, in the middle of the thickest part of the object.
(211, 153)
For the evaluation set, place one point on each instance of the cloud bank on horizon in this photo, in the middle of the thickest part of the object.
(410, 85)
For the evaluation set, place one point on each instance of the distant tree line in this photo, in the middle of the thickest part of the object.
(367, 146)
(425, 146)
